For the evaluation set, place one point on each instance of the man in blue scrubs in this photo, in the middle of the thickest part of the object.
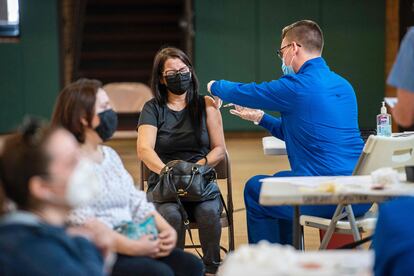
(319, 123)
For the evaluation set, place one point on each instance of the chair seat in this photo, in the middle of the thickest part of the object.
(364, 223)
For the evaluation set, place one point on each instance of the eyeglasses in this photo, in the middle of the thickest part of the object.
(171, 73)
(280, 51)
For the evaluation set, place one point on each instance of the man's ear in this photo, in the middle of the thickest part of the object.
(295, 47)
(38, 189)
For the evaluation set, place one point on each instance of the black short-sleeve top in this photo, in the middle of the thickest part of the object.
(176, 136)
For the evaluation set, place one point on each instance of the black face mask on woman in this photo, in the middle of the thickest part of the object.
(179, 83)
(108, 124)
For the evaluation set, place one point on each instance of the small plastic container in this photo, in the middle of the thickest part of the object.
(409, 170)
(384, 122)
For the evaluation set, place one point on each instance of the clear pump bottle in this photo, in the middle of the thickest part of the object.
(384, 124)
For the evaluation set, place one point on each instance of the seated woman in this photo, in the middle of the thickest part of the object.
(83, 108)
(180, 124)
(35, 168)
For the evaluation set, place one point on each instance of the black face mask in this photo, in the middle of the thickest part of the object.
(108, 124)
(179, 83)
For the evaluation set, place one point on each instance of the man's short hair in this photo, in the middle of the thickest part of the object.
(305, 32)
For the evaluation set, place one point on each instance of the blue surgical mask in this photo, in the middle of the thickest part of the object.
(287, 69)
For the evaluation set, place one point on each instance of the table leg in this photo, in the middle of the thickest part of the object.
(352, 222)
(297, 229)
(332, 225)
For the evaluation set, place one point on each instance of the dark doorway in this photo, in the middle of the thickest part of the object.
(120, 37)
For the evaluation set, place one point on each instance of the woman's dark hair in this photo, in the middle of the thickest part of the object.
(195, 107)
(24, 156)
(76, 101)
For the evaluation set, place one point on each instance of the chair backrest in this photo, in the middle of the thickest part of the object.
(379, 151)
(128, 97)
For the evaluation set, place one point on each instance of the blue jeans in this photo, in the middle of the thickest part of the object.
(274, 224)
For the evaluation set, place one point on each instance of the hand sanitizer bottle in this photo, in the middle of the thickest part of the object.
(384, 122)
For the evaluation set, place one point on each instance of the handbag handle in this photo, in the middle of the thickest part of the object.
(180, 192)
(194, 170)
(167, 173)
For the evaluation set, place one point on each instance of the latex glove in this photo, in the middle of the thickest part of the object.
(209, 84)
(217, 101)
(254, 115)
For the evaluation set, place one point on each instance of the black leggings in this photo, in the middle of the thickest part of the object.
(178, 263)
(207, 216)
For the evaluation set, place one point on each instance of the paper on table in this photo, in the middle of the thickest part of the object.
(391, 101)
(316, 181)
(273, 146)
(299, 181)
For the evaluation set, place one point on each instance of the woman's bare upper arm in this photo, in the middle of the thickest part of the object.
(147, 136)
(214, 123)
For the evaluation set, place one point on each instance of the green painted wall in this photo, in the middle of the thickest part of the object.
(237, 40)
(29, 69)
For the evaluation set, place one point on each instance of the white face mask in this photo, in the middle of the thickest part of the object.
(83, 185)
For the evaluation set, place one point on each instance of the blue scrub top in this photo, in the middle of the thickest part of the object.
(319, 116)
(402, 73)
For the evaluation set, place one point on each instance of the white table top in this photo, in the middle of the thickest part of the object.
(270, 260)
(310, 190)
(273, 146)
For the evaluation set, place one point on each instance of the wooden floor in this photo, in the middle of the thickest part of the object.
(247, 159)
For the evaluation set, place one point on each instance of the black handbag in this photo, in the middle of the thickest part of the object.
(189, 182)
(182, 181)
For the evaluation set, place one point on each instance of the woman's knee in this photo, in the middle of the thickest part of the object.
(171, 213)
(208, 212)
